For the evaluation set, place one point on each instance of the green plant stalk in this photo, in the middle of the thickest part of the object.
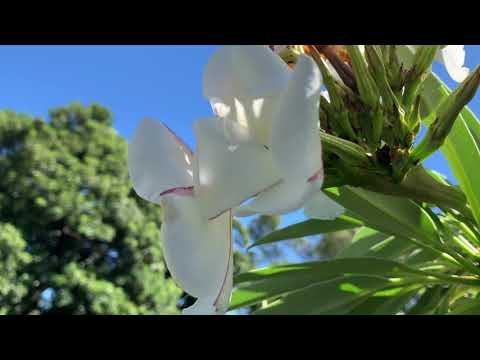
(417, 185)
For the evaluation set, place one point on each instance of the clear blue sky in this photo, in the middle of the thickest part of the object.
(163, 82)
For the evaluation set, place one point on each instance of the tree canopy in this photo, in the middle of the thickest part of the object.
(74, 238)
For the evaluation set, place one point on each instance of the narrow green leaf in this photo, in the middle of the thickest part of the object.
(327, 296)
(420, 256)
(371, 243)
(308, 228)
(428, 301)
(362, 242)
(271, 282)
(473, 124)
(377, 305)
(468, 308)
(388, 214)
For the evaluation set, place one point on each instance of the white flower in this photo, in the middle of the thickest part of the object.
(272, 148)
(198, 252)
(453, 58)
(263, 144)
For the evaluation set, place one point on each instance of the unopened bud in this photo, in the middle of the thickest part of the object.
(366, 84)
(378, 69)
(446, 114)
(422, 61)
(421, 67)
(350, 152)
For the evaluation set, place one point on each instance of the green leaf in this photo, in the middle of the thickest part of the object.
(328, 296)
(308, 228)
(377, 305)
(473, 124)
(271, 282)
(468, 308)
(388, 214)
(428, 301)
(462, 146)
(371, 243)
(420, 256)
(362, 242)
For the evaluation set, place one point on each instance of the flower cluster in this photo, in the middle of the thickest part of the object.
(262, 145)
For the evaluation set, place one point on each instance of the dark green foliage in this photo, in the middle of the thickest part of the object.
(13, 261)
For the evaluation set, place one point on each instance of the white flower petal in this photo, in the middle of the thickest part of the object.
(296, 146)
(202, 306)
(230, 169)
(197, 251)
(251, 71)
(453, 57)
(222, 301)
(281, 199)
(244, 82)
(245, 211)
(158, 161)
(216, 305)
(320, 206)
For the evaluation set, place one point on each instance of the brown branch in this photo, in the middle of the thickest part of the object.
(343, 69)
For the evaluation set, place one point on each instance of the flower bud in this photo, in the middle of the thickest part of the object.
(366, 84)
(338, 117)
(421, 67)
(446, 114)
(349, 152)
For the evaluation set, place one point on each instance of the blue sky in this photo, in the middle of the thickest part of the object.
(162, 82)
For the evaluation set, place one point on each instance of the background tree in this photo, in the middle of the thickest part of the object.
(74, 238)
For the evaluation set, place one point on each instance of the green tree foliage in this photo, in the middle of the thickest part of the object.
(74, 237)
(13, 260)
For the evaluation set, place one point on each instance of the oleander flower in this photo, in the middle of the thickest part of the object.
(197, 251)
(263, 144)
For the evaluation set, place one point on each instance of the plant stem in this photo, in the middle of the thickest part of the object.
(420, 186)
